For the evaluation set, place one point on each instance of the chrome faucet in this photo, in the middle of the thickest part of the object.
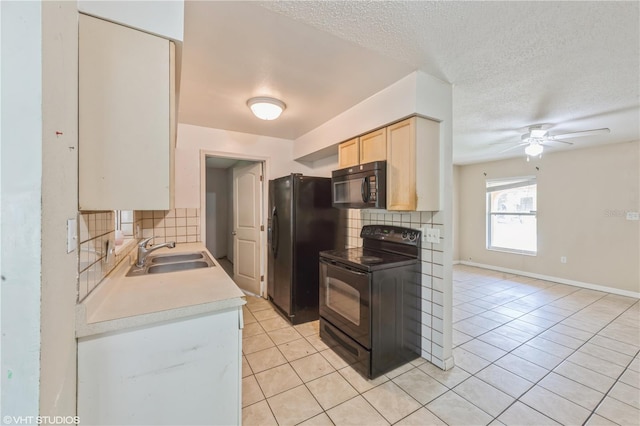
(143, 251)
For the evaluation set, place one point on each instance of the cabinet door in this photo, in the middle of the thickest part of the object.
(373, 146)
(401, 165)
(348, 153)
(125, 118)
(185, 371)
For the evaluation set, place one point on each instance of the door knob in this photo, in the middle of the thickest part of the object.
(233, 232)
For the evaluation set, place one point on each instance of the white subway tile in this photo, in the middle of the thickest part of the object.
(437, 338)
(437, 362)
(438, 217)
(437, 351)
(437, 271)
(437, 283)
(438, 297)
(437, 311)
(437, 324)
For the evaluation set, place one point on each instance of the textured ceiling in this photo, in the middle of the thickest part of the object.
(574, 65)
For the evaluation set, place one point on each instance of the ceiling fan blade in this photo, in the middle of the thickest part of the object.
(513, 147)
(558, 140)
(578, 134)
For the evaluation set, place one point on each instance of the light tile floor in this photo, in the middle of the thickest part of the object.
(527, 352)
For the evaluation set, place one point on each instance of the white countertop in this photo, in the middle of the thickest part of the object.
(121, 302)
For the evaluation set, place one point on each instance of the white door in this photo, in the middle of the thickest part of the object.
(247, 219)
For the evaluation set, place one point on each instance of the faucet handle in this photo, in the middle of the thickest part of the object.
(144, 242)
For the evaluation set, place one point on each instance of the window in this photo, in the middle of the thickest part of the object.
(511, 215)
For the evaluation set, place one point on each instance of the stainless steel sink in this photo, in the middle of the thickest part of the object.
(164, 263)
(174, 267)
(173, 258)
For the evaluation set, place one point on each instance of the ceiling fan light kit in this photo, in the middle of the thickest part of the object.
(533, 149)
(537, 137)
(266, 108)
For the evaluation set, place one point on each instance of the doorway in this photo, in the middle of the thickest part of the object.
(233, 203)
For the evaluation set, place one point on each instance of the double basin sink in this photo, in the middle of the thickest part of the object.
(163, 263)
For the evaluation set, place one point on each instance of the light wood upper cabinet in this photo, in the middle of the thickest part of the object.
(373, 146)
(413, 165)
(127, 122)
(348, 153)
(365, 149)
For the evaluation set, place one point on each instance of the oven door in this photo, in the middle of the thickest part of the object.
(345, 294)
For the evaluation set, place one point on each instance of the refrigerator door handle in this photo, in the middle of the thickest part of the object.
(275, 238)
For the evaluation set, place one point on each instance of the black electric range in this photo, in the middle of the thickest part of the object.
(370, 299)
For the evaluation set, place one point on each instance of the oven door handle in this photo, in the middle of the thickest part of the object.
(342, 266)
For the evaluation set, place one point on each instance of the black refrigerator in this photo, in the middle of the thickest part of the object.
(301, 223)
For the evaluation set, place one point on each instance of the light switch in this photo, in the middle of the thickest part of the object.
(633, 216)
(72, 235)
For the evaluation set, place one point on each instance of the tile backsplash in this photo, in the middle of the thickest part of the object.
(98, 254)
(179, 225)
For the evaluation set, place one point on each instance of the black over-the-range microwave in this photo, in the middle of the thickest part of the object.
(360, 187)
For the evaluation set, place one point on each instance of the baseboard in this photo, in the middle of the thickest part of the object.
(553, 279)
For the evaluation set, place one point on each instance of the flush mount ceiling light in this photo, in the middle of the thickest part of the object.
(266, 108)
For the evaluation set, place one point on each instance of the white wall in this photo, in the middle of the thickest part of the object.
(278, 154)
(390, 104)
(59, 203)
(583, 195)
(21, 215)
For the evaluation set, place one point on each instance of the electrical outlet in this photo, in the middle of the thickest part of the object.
(563, 259)
(431, 235)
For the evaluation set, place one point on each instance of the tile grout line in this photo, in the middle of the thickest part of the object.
(555, 322)
(525, 342)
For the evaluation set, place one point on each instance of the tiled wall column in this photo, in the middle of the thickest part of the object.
(432, 273)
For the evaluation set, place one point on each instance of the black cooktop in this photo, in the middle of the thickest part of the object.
(367, 259)
(385, 247)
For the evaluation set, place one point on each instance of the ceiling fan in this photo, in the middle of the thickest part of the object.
(537, 137)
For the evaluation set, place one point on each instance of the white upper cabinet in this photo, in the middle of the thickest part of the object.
(126, 118)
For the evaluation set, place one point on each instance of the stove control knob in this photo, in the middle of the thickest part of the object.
(412, 236)
(405, 234)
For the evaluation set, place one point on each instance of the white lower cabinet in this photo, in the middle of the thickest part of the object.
(185, 371)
